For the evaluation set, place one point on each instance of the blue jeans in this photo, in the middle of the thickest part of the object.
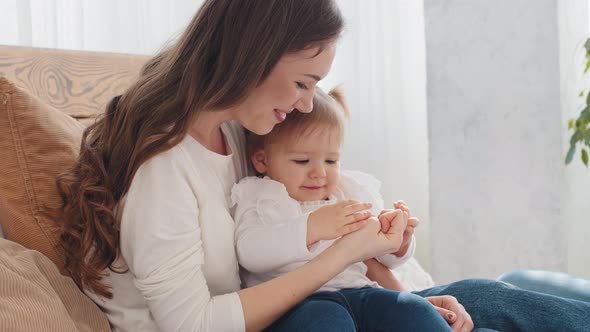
(492, 305)
(554, 283)
(504, 307)
(364, 309)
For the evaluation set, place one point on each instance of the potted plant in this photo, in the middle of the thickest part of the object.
(579, 126)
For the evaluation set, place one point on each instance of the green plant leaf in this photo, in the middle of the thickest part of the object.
(570, 124)
(581, 94)
(585, 157)
(570, 154)
(587, 65)
(575, 137)
(587, 45)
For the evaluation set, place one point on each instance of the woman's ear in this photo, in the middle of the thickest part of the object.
(259, 161)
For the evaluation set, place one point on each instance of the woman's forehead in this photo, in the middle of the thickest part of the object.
(309, 61)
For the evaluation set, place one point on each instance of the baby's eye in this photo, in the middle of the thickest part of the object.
(301, 161)
(302, 86)
(331, 162)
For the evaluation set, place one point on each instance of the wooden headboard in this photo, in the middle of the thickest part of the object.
(75, 82)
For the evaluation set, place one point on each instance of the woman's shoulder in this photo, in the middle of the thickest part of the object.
(169, 163)
(170, 171)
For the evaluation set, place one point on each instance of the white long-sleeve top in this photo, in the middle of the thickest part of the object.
(271, 229)
(177, 241)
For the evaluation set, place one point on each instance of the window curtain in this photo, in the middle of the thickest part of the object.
(380, 65)
(125, 26)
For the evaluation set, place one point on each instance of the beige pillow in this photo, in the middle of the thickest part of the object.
(34, 296)
(37, 142)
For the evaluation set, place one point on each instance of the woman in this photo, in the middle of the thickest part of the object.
(147, 227)
(165, 156)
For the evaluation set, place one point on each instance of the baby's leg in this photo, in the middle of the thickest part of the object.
(316, 314)
(379, 309)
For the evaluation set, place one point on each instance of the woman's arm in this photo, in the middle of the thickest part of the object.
(391, 261)
(266, 302)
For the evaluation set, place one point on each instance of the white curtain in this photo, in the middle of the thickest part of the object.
(126, 26)
(380, 65)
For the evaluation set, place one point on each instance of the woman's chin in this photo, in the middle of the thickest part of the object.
(260, 129)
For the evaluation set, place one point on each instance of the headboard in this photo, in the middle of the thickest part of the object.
(76, 82)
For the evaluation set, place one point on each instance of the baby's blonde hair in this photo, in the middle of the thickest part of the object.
(329, 110)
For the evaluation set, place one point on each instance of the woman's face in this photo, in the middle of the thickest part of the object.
(290, 85)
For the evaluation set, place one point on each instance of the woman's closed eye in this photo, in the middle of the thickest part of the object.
(302, 86)
(301, 161)
(331, 161)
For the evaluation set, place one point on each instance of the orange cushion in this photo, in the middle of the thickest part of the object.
(35, 297)
(37, 142)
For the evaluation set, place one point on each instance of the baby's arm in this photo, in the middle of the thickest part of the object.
(383, 276)
(267, 237)
(266, 242)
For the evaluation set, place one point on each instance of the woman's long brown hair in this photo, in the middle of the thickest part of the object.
(229, 47)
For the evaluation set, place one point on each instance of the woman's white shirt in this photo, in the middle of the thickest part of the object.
(177, 242)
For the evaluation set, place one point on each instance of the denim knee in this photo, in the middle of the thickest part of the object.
(315, 316)
(414, 305)
(329, 316)
(484, 286)
(406, 312)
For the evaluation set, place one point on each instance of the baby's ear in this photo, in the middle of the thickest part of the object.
(258, 160)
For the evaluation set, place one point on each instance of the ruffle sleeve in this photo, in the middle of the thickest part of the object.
(362, 187)
(266, 217)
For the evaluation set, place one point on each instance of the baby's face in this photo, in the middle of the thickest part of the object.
(309, 166)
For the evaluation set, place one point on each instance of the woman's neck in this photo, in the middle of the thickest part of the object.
(207, 130)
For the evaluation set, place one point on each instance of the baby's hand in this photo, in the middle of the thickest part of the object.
(410, 227)
(332, 221)
(394, 222)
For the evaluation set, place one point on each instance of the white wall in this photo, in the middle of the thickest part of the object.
(495, 131)
(573, 24)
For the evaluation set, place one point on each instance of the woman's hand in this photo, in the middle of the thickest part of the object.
(332, 221)
(453, 312)
(370, 241)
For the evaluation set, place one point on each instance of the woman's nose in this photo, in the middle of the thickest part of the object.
(305, 103)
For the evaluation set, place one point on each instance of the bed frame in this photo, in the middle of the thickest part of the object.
(76, 82)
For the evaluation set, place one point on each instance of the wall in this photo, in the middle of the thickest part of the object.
(495, 136)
